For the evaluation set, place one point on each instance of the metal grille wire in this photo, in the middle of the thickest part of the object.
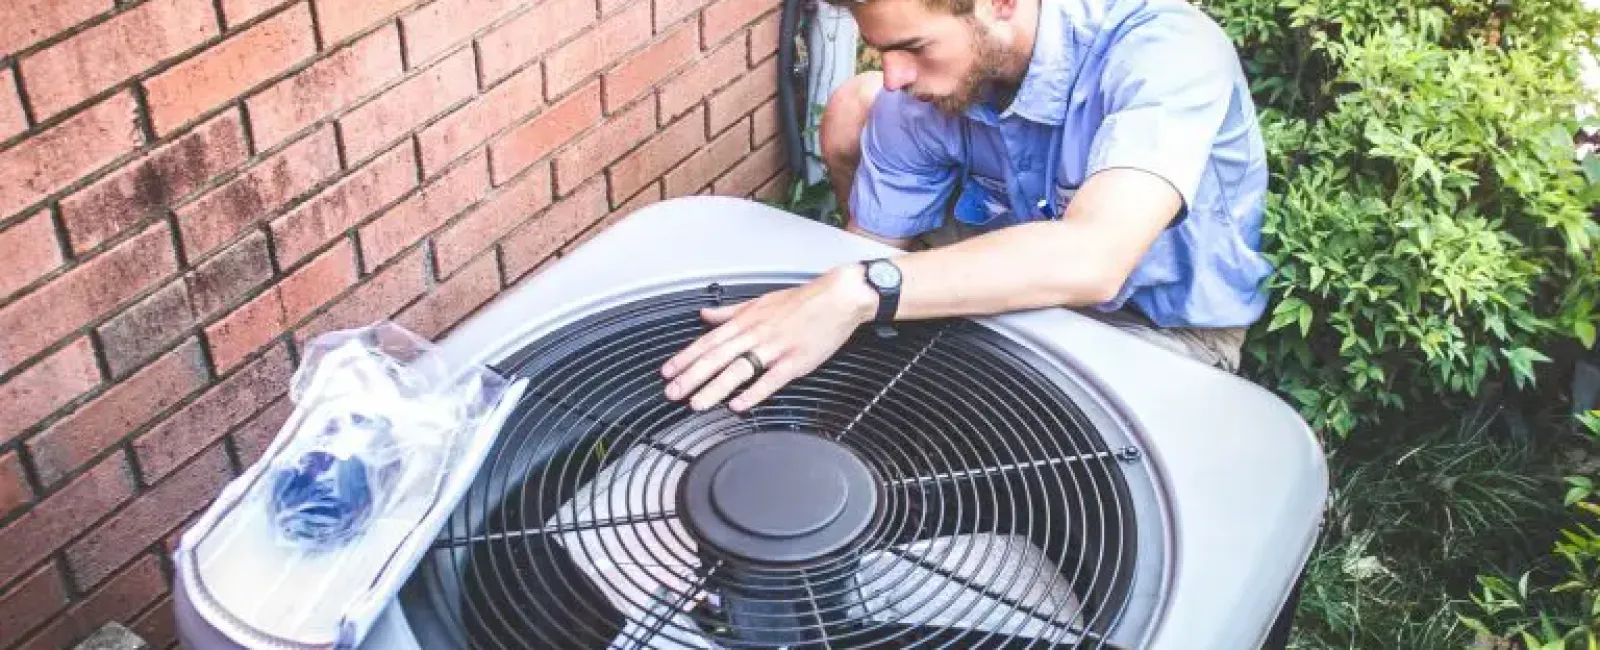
(1004, 520)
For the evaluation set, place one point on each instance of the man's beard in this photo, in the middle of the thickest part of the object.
(988, 56)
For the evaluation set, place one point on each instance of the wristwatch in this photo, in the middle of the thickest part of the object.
(884, 277)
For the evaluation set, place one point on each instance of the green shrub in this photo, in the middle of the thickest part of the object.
(1429, 223)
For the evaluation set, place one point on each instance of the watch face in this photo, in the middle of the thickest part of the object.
(883, 274)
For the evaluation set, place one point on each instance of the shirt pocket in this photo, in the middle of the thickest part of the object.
(983, 202)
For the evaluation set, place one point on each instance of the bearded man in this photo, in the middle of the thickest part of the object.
(1100, 155)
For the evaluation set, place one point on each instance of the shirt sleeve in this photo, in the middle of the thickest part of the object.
(1167, 87)
(906, 175)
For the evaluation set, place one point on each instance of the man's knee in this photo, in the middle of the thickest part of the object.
(844, 116)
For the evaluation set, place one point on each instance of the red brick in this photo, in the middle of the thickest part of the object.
(597, 48)
(55, 158)
(752, 173)
(46, 386)
(776, 189)
(638, 73)
(83, 294)
(380, 297)
(672, 11)
(661, 153)
(30, 251)
(609, 141)
(252, 439)
(82, 435)
(526, 144)
(158, 627)
(467, 127)
(148, 185)
(108, 53)
(30, 21)
(707, 164)
(496, 216)
(119, 599)
(32, 602)
(705, 76)
(334, 82)
(608, 6)
(545, 234)
(764, 123)
(424, 211)
(725, 17)
(221, 214)
(738, 99)
(144, 522)
(173, 441)
(764, 38)
(224, 279)
(240, 333)
(244, 330)
(444, 23)
(344, 205)
(341, 19)
(398, 111)
(12, 121)
(452, 301)
(522, 39)
(239, 12)
(14, 490)
(155, 323)
(313, 285)
(230, 68)
(61, 516)
(651, 194)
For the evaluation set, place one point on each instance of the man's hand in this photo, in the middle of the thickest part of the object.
(791, 331)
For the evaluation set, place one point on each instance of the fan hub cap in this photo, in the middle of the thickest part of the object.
(778, 498)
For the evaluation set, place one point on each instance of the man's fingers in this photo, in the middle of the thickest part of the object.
(707, 365)
(719, 315)
(775, 378)
(735, 373)
(707, 342)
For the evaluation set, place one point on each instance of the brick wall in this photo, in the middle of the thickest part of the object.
(189, 189)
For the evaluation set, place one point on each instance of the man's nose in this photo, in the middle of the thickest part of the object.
(897, 74)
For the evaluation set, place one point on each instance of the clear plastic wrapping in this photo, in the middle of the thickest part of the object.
(301, 550)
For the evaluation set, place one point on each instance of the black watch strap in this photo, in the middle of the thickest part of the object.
(884, 278)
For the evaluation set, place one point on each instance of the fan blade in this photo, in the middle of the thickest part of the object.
(993, 583)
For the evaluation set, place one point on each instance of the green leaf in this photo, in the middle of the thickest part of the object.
(1585, 332)
(1522, 360)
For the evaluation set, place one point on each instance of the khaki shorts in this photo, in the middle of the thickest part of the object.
(1221, 347)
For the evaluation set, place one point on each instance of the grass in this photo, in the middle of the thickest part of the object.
(1411, 525)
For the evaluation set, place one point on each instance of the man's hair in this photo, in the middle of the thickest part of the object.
(957, 7)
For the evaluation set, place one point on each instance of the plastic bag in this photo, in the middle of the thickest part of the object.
(309, 544)
(383, 416)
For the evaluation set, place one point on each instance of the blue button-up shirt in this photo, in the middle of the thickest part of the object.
(1148, 84)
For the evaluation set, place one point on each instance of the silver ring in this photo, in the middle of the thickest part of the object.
(755, 362)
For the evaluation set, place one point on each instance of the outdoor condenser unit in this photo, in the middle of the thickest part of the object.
(1031, 480)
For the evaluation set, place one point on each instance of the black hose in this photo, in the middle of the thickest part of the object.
(789, 113)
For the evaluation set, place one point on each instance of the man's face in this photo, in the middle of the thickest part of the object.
(935, 56)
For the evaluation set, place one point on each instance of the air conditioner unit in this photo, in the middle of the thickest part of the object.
(1031, 480)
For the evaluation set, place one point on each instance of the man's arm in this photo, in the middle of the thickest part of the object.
(1081, 260)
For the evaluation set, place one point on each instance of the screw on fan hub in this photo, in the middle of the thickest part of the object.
(778, 499)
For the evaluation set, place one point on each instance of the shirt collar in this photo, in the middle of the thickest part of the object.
(1047, 84)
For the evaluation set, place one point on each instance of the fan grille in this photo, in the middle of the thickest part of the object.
(1002, 519)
